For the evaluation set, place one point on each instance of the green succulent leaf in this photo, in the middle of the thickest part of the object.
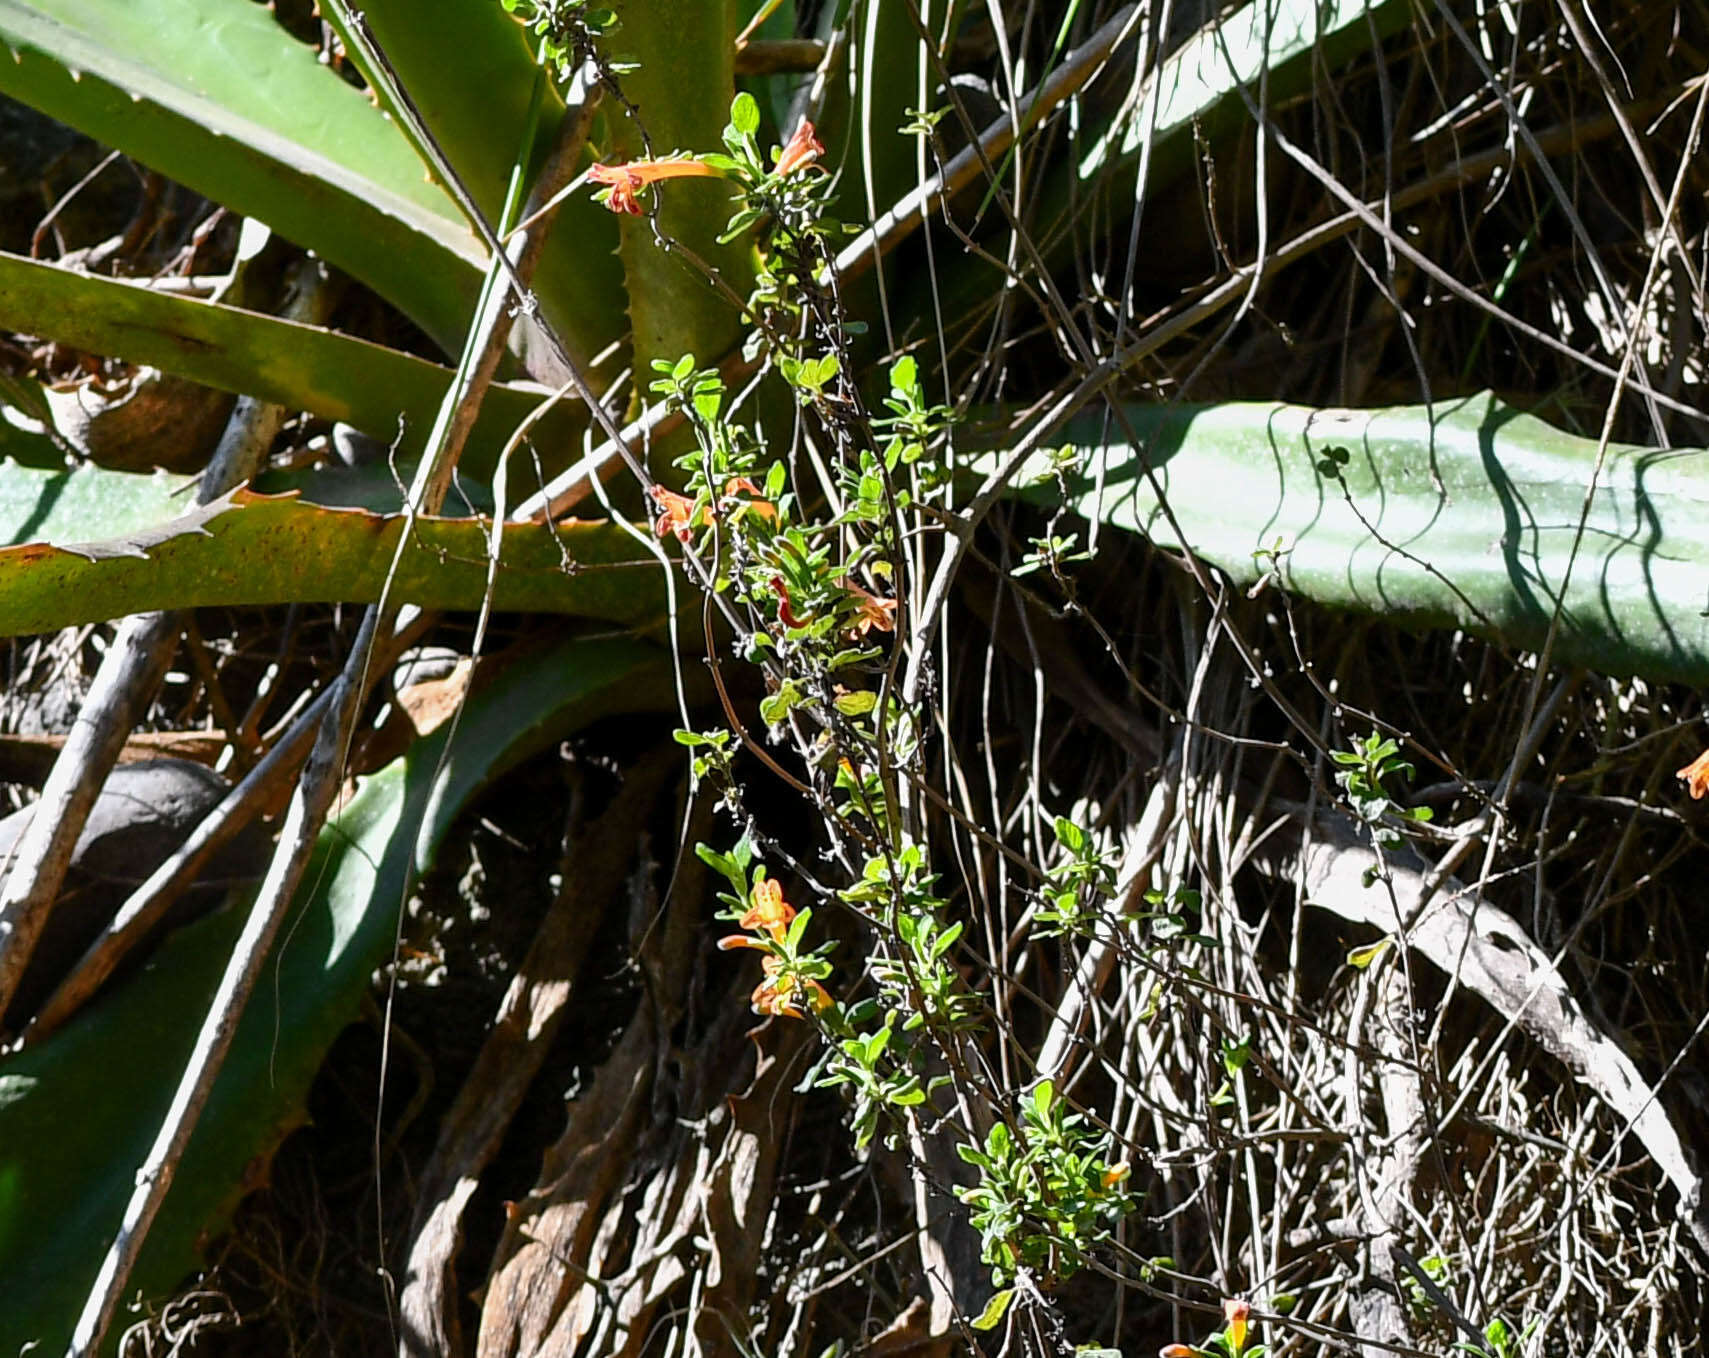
(262, 549)
(1464, 514)
(215, 94)
(386, 394)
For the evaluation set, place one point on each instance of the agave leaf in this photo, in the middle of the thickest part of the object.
(247, 548)
(217, 95)
(1201, 90)
(1202, 81)
(78, 1112)
(475, 107)
(42, 505)
(390, 395)
(90, 503)
(468, 71)
(1463, 514)
(683, 81)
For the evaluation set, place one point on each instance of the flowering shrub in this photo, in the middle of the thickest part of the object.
(816, 583)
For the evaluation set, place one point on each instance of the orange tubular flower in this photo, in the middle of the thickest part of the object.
(759, 504)
(769, 912)
(1178, 1351)
(1696, 776)
(803, 149)
(676, 513)
(625, 181)
(1236, 1312)
(776, 994)
(871, 612)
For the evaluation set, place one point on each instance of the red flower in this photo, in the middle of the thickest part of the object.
(803, 149)
(786, 608)
(626, 181)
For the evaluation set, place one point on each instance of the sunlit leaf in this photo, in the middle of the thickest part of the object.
(1464, 514)
(262, 549)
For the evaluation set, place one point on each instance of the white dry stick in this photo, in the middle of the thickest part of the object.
(148, 904)
(309, 806)
(125, 684)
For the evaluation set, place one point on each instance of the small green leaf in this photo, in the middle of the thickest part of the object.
(1235, 1055)
(856, 704)
(745, 114)
(995, 1309)
(1360, 958)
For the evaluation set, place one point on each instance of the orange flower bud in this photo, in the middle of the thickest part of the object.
(803, 149)
(1236, 1313)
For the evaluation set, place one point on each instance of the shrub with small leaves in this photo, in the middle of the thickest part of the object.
(1048, 1191)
